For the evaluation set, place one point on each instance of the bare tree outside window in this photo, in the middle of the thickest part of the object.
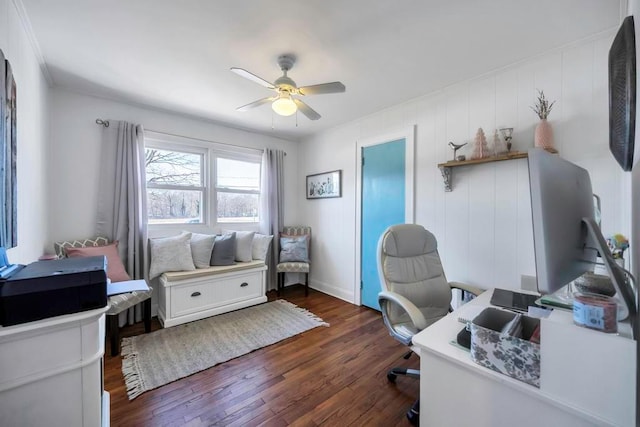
(174, 186)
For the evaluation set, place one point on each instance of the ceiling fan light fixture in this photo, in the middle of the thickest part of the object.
(284, 105)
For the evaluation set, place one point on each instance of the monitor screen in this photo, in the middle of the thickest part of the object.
(561, 196)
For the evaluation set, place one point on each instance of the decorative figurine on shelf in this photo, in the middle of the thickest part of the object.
(499, 144)
(507, 134)
(455, 148)
(480, 146)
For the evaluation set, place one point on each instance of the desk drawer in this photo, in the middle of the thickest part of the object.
(206, 294)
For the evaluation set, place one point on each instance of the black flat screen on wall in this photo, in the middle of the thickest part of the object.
(622, 94)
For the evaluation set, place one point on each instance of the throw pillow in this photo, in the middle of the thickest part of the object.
(244, 242)
(115, 268)
(260, 246)
(60, 247)
(224, 250)
(201, 248)
(294, 248)
(170, 254)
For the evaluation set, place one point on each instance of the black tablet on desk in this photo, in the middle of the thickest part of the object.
(513, 300)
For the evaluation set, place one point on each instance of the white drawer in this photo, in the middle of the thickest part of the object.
(207, 293)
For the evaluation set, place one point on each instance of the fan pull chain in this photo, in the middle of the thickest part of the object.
(272, 127)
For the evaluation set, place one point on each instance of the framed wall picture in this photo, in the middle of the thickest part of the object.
(324, 185)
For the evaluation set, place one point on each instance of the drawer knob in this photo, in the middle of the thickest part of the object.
(196, 294)
(243, 284)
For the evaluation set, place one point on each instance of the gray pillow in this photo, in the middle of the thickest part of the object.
(224, 250)
(170, 254)
(201, 247)
(294, 249)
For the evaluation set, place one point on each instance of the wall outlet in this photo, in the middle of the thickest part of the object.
(528, 283)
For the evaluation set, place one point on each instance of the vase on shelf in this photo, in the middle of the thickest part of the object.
(543, 137)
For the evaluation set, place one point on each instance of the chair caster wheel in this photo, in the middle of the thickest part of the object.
(413, 417)
(391, 377)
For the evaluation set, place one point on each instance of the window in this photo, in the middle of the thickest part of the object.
(175, 186)
(200, 182)
(237, 190)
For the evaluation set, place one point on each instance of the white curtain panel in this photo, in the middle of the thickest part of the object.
(272, 206)
(122, 204)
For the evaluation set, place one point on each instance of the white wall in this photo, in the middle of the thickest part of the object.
(32, 143)
(484, 226)
(75, 155)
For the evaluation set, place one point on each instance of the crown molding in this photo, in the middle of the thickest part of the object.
(28, 29)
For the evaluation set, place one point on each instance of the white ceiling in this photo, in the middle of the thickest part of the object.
(176, 55)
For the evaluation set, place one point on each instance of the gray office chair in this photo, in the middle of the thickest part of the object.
(415, 292)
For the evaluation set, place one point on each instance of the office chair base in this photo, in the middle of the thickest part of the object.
(393, 373)
(413, 415)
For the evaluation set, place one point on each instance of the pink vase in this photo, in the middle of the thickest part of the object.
(543, 137)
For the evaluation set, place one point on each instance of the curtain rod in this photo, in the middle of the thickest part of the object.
(105, 123)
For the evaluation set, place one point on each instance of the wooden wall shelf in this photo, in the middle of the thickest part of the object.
(447, 168)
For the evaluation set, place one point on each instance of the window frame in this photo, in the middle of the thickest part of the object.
(210, 152)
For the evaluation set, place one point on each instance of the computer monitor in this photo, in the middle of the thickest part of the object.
(566, 237)
(561, 196)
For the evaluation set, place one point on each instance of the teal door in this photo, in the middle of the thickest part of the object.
(383, 204)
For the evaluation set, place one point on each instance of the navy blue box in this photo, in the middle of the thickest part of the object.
(52, 288)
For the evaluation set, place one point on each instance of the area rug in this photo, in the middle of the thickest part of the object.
(158, 358)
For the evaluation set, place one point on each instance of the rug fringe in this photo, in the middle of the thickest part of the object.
(130, 370)
(303, 311)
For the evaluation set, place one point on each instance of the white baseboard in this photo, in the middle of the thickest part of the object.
(332, 290)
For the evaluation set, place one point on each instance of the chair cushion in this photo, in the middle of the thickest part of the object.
(115, 269)
(294, 249)
(119, 303)
(224, 250)
(292, 267)
(170, 254)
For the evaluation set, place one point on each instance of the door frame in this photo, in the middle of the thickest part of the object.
(408, 134)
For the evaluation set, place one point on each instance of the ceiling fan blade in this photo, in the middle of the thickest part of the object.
(247, 75)
(333, 87)
(306, 110)
(257, 103)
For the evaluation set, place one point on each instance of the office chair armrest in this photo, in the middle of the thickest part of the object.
(467, 288)
(414, 314)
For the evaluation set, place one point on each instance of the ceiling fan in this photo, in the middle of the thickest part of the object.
(284, 103)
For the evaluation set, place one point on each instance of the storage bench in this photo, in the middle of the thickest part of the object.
(185, 296)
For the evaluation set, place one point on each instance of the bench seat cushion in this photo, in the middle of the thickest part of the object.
(174, 276)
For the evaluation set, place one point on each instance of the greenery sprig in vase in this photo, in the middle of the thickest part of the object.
(542, 107)
(543, 136)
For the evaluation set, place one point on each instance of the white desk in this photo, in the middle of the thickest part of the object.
(577, 387)
(51, 372)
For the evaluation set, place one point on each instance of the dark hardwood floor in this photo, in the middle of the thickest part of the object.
(332, 376)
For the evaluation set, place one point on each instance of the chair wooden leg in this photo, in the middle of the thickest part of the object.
(114, 334)
(278, 284)
(146, 312)
(306, 284)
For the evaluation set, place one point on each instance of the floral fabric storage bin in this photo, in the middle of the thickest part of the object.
(509, 355)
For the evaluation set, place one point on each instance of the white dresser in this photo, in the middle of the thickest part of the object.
(51, 372)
